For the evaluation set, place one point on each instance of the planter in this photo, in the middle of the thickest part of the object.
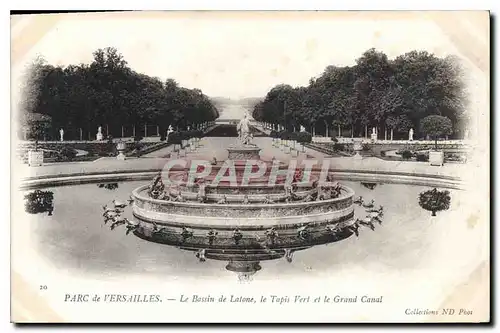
(35, 158)
(357, 148)
(436, 158)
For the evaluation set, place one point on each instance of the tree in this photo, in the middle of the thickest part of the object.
(436, 127)
(399, 123)
(434, 200)
(110, 94)
(39, 202)
(36, 125)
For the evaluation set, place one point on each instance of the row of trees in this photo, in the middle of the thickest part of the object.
(106, 93)
(376, 92)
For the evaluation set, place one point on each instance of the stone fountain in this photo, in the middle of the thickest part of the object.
(248, 222)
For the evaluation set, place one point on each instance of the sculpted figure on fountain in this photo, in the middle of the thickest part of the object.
(244, 131)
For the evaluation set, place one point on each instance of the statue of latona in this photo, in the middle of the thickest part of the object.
(244, 130)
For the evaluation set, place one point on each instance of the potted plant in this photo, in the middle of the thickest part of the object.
(434, 200)
(436, 127)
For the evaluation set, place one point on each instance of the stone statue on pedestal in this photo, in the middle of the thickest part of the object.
(374, 134)
(244, 131)
(61, 133)
(169, 130)
(410, 134)
(99, 133)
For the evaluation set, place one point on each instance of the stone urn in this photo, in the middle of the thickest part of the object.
(120, 147)
(357, 148)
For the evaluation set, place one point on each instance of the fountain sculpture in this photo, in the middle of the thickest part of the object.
(247, 221)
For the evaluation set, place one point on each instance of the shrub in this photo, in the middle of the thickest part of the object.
(365, 147)
(434, 200)
(334, 139)
(186, 135)
(163, 137)
(436, 126)
(382, 153)
(338, 146)
(274, 134)
(67, 154)
(421, 157)
(304, 137)
(110, 139)
(406, 154)
(293, 136)
(138, 138)
(175, 138)
(284, 135)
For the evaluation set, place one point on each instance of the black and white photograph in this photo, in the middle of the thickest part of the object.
(250, 167)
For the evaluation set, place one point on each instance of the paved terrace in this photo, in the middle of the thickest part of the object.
(215, 146)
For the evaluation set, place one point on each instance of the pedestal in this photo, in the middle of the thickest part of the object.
(357, 149)
(120, 147)
(357, 156)
(99, 137)
(243, 152)
(121, 156)
(35, 158)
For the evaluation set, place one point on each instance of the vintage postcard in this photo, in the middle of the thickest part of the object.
(250, 167)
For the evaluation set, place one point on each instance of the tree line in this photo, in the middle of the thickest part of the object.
(390, 95)
(106, 93)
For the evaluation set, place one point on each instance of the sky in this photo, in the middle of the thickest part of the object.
(236, 55)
